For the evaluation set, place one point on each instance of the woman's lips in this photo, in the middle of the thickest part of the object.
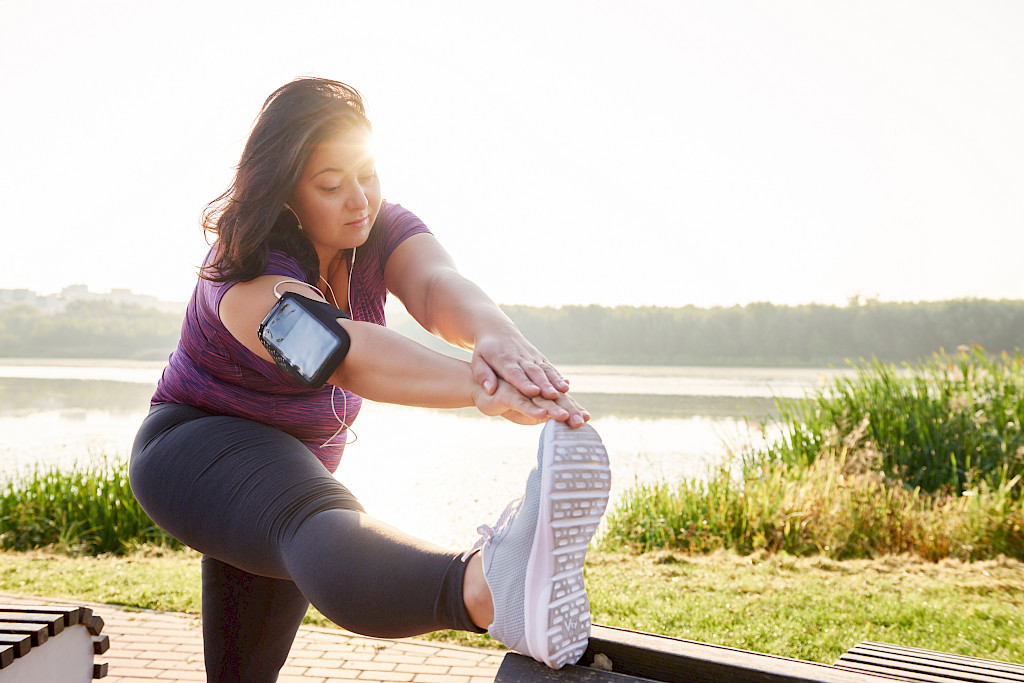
(359, 223)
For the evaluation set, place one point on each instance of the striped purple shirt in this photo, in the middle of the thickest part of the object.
(213, 371)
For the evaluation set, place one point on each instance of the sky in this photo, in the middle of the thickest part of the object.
(641, 153)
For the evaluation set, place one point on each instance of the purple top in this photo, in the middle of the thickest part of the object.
(213, 371)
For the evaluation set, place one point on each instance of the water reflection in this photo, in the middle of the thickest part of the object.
(661, 407)
(21, 396)
(437, 474)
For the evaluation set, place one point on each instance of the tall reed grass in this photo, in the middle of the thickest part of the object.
(88, 509)
(944, 426)
(926, 460)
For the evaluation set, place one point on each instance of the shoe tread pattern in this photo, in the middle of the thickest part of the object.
(581, 481)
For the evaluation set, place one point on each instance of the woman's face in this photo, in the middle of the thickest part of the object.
(338, 194)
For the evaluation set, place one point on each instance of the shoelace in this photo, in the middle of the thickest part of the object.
(490, 534)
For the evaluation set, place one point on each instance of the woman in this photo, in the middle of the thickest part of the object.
(236, 456)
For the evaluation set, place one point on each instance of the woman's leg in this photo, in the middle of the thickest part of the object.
(381, 582)
(258, 500)
(249, 623)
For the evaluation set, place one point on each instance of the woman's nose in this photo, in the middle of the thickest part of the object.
(357, 198)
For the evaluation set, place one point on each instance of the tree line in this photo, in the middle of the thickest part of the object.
(89, 329)
(768, 334)
(755, 334)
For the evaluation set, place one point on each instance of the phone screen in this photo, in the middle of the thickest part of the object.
(301, 339)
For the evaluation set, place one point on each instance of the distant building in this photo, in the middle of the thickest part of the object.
(55, 303)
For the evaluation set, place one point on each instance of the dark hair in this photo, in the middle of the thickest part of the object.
(249, 219)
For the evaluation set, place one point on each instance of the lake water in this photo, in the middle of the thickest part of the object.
(437, 474)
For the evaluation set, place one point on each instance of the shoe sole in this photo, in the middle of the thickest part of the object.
(575, 482)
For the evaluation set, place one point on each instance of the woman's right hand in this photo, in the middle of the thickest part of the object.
(509, 403)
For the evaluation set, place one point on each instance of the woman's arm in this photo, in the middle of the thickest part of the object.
(422, 274)
(384, 366)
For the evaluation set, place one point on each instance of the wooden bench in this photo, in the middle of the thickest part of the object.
(44, 644)
(927, 665)
(645, 657)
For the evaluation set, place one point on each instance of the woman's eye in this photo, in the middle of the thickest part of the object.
(332, 189)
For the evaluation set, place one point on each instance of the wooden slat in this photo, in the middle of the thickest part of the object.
(54, 622)
(38, 631)
(938, 676)
(899, 651)
(21, 642)
(914, 671)
(660, 658)
(517, 668)
(22, 626)
(70, 615)
(7, 654)
(929, 665)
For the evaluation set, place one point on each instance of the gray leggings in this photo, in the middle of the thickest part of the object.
(278, 532)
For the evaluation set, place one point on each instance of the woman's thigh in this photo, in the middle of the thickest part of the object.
(231, 488)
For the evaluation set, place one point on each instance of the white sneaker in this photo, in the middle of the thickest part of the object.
(533, 556)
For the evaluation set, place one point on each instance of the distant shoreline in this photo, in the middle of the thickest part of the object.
(73, 361)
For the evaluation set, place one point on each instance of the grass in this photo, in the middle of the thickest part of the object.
(943, 426)
(811, 608)
(814, 608)
(928, 461)
(825, 508)
(87, 510)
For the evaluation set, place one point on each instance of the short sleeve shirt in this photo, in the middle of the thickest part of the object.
(213, 371)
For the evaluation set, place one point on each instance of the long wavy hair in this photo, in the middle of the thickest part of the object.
(249, 219)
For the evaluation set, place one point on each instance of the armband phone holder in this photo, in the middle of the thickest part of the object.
(304, 338)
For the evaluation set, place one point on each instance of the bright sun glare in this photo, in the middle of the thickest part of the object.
(667, 154)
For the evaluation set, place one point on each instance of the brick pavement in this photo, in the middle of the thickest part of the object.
(151, 647)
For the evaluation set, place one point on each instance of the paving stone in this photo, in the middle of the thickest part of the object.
(162, 647)
(435, 678)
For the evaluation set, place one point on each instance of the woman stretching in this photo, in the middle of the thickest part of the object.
(237, 454)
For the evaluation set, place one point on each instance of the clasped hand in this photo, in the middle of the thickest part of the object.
(518, 383)
(508, 402)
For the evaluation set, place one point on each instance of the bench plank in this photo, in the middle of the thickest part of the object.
(70, 615)
(36, 630)
(906, 675)
(21, 642)
(24, 626)
(54, 622)
(660, 658)
(928, 665)
(517, 668)
(888, 650)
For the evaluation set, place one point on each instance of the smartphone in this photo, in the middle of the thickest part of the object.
(304, 338)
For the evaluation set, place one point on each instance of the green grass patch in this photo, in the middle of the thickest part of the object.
(811, 608)
(928, 460)
(814, 608)
(944, 426)
(89, 509)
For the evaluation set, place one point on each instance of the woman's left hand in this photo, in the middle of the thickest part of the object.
(512, 358)
(507, 402)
